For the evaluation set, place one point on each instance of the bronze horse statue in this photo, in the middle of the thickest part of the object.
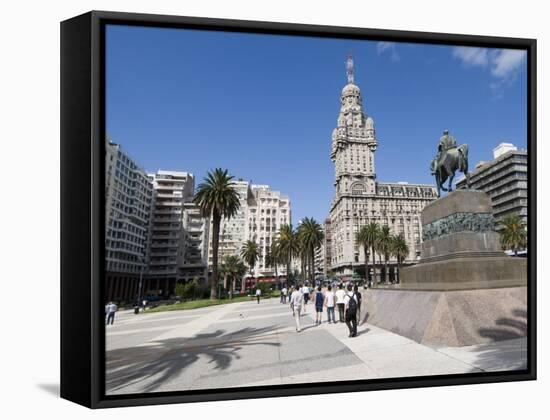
(446, 163)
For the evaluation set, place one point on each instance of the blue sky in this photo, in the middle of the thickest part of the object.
(264, 106)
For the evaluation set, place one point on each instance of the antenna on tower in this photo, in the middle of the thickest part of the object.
(349, 69)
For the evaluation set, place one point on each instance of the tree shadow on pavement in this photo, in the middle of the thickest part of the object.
(153, 364)
(507, 328)
(508, 347)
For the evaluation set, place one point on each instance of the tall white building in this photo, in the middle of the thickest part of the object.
(234, 231)
(359, 198)
(259, 218)
(195, 256)
(268, 211)
(128, 210)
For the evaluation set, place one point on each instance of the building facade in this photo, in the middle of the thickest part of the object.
(234, 231)
(168, 239)
(195, 255)
(504, 179)
(327, 246)
(268, 211)
(128, 212)
(359, 198)
(261, 214)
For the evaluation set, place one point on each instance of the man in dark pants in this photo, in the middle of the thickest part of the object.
(351, 303)
(111, 309)
(340, 304)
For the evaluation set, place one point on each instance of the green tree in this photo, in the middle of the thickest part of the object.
(513, 234)
(217, 198)
(287, 243)
(273, 259)
(385, 248)
(362, 240)
(370, 238)
(235, 270)
(400, 250)
(250, 253)
(311, 235)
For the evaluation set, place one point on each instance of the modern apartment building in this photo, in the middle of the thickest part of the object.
(260, 216)
(128, 211)
(234, 231)
(195, 255)
(172, 190)
(268, 211)
(504, 179)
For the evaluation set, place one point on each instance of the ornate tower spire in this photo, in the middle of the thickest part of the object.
(349, 69)
(353, 143)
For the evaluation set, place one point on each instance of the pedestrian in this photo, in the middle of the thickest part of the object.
(296, 304)
(111, 309)
(351, 304)
(144, 303)
(359, 300)
(305, 293)
(258, 294)
(329, 303)
(340, 294)
(319, 301)
(283, 294)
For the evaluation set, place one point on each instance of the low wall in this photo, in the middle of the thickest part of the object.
(466, 273)
(449, 318)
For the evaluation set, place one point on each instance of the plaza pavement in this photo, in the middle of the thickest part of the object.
(246, 344)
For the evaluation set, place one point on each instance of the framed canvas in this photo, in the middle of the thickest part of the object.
(258, 209)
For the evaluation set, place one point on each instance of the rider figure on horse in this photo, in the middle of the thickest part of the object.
(450, 158)
(446, 142)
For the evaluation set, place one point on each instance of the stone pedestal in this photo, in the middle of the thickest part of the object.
(460, 250)
(464, 290)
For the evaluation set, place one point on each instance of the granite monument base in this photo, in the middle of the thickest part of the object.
(449, 318)
(460, 250)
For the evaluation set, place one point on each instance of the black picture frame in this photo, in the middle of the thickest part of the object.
(82, 207)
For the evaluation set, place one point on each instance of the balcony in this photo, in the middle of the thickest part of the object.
(164, 236)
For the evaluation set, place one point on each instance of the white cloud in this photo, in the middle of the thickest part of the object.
(387, 47)
(472, 56)
(505, 63)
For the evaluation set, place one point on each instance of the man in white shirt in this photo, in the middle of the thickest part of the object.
(296, 304)
(305, 294)
(283, 294)
(340, 294)
(258, 294)
(111, 309)
(329, 304)
(351, 304)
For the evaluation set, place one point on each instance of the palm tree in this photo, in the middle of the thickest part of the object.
(250, 253)
(371, 241)
(513, 235)
(302, 254)
(224, 273)
(273, 259)
(217, 198)
(361, 239)
(311, 236)
(400, 249)
(234, 268)
(288, 247)
(384, 248)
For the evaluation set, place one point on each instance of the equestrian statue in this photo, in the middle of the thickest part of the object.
(449, 159)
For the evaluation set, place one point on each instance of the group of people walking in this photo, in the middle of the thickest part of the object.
(347, 301)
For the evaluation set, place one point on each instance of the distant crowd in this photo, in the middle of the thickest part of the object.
(346, 300)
